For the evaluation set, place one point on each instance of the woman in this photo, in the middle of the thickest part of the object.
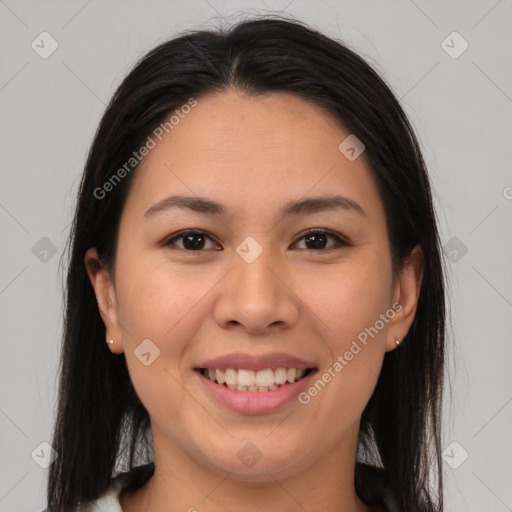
(255, 293)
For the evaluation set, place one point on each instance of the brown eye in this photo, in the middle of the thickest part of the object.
(192, 240)
(317, 239)
(197, 241)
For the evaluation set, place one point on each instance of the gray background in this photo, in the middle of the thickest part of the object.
(460, 107)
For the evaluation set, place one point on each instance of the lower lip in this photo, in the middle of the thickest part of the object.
(255, 402)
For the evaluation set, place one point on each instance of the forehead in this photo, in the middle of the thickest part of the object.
(255, 152)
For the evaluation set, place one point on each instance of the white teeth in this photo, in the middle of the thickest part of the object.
(231, 376)
(219, 376)
(246, 377)
(249, 380)
(265, 378)
(280, 375)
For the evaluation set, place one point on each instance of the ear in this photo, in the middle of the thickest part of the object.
(104, 290)
(406, 291)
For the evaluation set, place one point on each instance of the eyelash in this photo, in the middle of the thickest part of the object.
(168, 242)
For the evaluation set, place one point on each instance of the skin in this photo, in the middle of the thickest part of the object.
(252, 154)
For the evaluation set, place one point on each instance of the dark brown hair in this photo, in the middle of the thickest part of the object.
(99, 416)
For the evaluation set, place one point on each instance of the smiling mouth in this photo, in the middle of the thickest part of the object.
(269, 379)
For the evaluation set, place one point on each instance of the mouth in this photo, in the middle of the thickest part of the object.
(246, 380)
(254, 392)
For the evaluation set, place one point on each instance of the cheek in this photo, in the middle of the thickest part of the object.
(347, 299)
(154, 297)
(160, 305)
(348, 303)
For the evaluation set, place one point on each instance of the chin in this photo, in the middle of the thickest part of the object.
(249, 464)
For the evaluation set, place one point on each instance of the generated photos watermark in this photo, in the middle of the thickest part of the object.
(151, 142)
(343, 360)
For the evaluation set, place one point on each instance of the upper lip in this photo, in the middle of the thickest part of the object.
(245, 361)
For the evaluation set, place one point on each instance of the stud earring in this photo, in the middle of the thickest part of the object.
(110, 342)
(397, 342)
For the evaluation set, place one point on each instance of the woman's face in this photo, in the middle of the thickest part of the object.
(254, 284)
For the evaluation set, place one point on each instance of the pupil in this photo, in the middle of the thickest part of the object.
(188, 244)
(316, 236)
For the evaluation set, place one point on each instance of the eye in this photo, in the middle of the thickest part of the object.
(317, 239)
(193, 240)
(196, 240)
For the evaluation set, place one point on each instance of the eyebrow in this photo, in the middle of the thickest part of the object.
(207, 206)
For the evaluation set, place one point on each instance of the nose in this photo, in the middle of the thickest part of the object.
(257, 297)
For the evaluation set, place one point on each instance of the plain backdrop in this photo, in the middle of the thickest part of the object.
(448, 62)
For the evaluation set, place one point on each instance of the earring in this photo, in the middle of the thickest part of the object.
(110, 342)
(397, 342)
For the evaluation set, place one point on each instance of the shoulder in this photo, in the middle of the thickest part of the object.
(108, 501)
